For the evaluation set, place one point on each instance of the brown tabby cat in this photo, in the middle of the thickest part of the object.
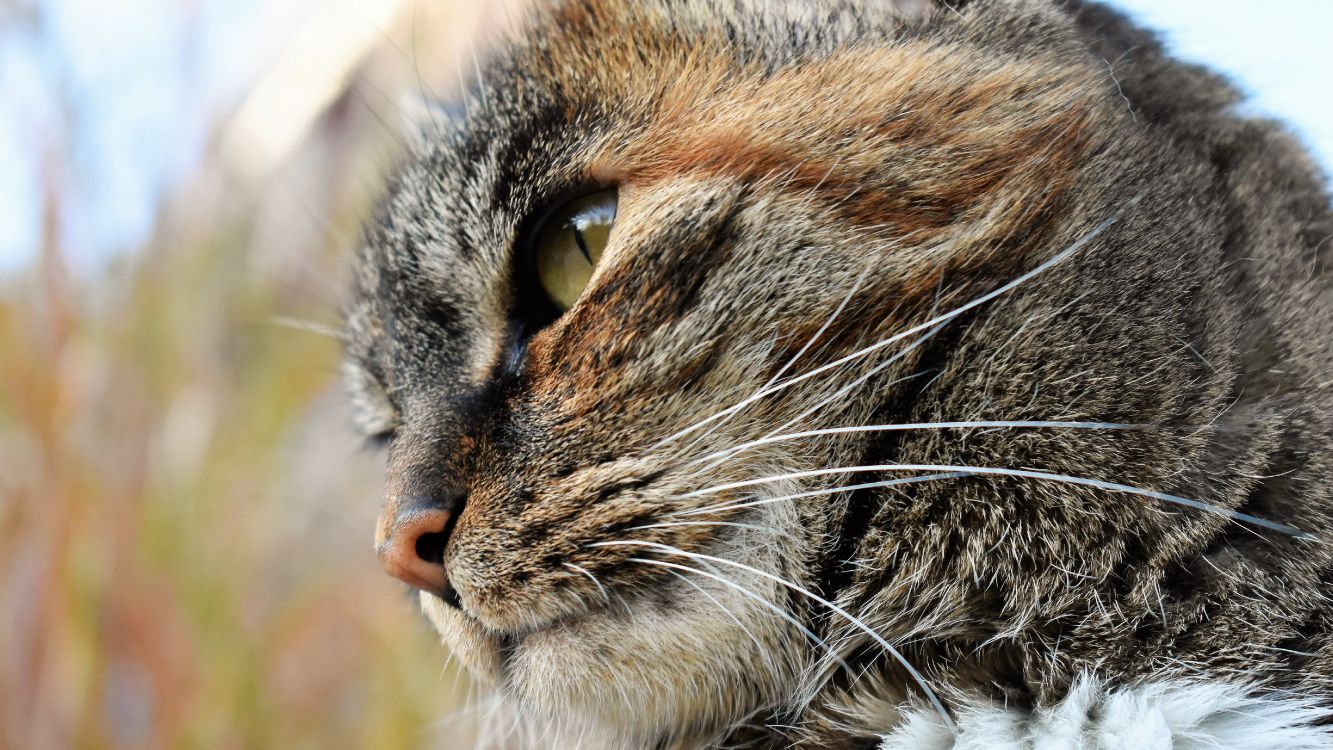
(860, 374)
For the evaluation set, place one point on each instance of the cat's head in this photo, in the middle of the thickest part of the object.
(660, 242)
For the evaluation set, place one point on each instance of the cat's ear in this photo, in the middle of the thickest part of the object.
(423, 119)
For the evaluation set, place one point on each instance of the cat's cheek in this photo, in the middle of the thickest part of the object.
(475, 647)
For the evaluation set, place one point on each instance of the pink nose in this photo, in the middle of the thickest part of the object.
(410, 543)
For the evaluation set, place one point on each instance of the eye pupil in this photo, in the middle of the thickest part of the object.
(583, 245)
(569, 245)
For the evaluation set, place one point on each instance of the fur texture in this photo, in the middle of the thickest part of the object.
(940, 354)
(1180, 716)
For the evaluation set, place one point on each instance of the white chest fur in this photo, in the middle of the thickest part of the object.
(1185, 715)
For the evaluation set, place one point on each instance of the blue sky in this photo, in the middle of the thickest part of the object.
(115, 98)
(1277, 51)
(121, 94)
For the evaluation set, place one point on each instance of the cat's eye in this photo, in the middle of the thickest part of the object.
(569, 244)
(373, 412)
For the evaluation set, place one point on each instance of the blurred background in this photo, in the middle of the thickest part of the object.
(185, 518)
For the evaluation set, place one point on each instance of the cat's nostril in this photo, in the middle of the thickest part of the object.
(430, 547)
(411, 542)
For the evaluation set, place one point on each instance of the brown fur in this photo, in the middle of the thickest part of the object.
(778, 164)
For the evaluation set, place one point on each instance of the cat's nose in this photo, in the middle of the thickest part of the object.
(410, 538)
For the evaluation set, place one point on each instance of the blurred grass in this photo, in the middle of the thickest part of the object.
(185, 519)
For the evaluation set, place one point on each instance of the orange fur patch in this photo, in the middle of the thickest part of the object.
(906, 139)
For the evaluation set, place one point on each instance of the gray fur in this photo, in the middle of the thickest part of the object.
(1201, 314)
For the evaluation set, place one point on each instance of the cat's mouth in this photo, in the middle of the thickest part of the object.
(487, 651)
(515, 634)
(636, 644)
(516, 613)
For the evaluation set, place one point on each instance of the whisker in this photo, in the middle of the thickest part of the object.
(981, 424)
(751, 526)
(856, 622)
(822, 329)
(748, 593)
(704, 435)
(815, 493)
(1022, 473)
(592, 578)
(844, 390)
(481, 83)
(1041, 268)
(720, 456)
(759, 647)
(308, 326)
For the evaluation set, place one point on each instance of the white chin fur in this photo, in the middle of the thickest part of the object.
(1182, 715)
(616, 680)
(647, 675)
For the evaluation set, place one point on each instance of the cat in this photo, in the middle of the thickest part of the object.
(860, 374)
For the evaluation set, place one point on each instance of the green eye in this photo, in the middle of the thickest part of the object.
(570, 243)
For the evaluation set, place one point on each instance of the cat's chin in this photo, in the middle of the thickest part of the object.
(631, 678)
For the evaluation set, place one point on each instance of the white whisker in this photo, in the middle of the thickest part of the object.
(1041, 268)
(815, 493)
(670, 524)
(822, 329)
(759, 646)
(844, 390)
(747, 593)
(309, 326)
(591, 577)
(853, 620)
(1022, 473)
(982, 424)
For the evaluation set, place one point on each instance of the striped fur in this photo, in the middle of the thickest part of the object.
(852, 214)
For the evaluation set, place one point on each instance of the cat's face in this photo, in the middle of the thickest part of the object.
(792, 215)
